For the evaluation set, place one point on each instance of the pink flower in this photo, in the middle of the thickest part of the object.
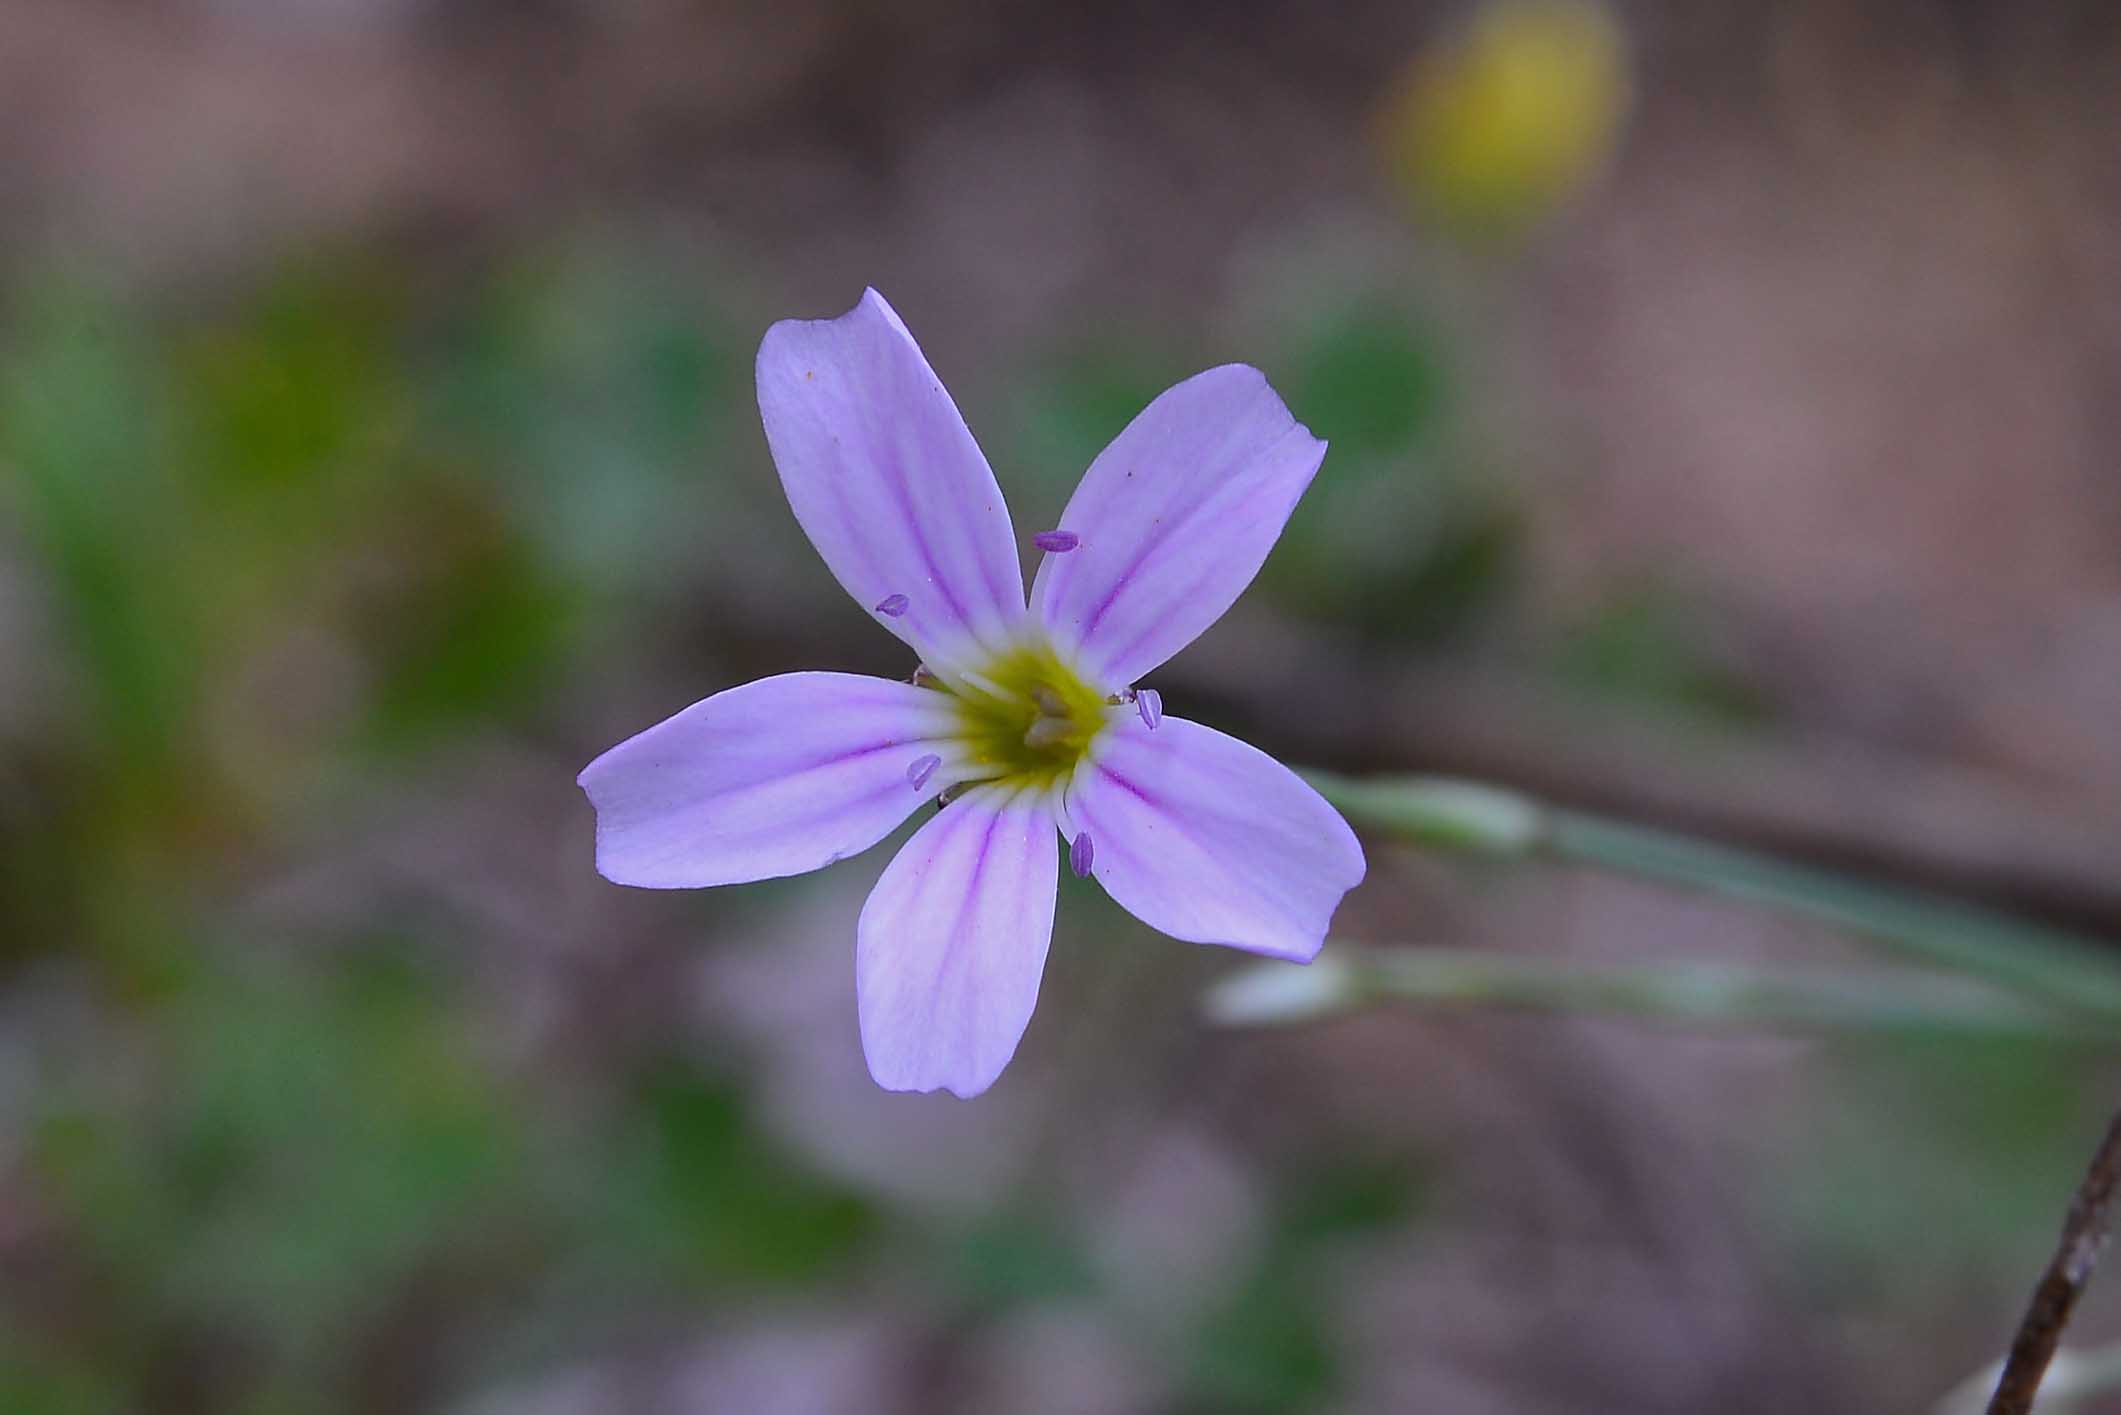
(1023, 719)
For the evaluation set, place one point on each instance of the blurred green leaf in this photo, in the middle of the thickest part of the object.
(1981, 1140)
(298, 1154)
(41, 1381)
(595, 394)
(1393, 554)
(1015, 1257)
(1266, 1349)
(1069, 411)
(471, 619)
(725, 1204)
(1268, 1346)
(300, 386)
(1402, 537)
(1358, 1196)
(1371, 384)
(82, 428)
(1644, 645)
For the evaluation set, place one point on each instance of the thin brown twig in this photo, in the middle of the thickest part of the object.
(2069, 1272)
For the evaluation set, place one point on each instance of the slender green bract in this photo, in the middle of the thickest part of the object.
(2064, 971)
(1706, 996)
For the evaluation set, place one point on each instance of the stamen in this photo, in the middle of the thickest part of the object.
(1056, 541)
(1048, 732)
(924, 677)
(1049, 702)
(1150, 704)
(1080, 853)
(983, 683)
(922, 769)
(892, 605)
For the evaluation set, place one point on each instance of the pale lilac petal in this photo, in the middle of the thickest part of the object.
(1174, 520)
(1213, 841)
(888, 483)
(776, 777)
(953, 940)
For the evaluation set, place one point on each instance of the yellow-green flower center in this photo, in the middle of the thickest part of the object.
(1027, 716)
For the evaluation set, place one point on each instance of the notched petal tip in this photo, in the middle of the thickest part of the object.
(1361, 860)
(873, 302)
(964, 1090)
(887, 481)
(1302, 955)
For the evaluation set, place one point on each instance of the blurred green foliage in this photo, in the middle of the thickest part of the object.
(1979, 1140)
(322, 531)
(275, 1166)
(719, 1204)
(1646, 647)
(1270, 1344)
(1408, 539)
(600, 397)
(1017, 1257)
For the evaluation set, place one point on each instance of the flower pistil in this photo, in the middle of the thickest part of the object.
(1025, 716)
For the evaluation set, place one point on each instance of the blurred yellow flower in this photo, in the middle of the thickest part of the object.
(1499, 125)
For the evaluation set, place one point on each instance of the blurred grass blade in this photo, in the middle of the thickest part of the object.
(2068, 971)
(1704, 995)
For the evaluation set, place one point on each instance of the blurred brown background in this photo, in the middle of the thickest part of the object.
(1723, 403)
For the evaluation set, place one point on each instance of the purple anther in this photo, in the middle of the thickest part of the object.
(922, 769)
(1080, 853)
(892, 605)
(1056, 541)
(1150, 704)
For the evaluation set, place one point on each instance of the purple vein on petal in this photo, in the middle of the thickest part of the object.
(1201, 574)
(819, 814)
(1128, 786)
(846, 754)
(1125, 578)
(971, 894)
(837, 757)
(1151, 630)
(903, 494)
(1169, 520)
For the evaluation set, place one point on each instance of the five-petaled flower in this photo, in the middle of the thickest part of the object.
(1020, 718)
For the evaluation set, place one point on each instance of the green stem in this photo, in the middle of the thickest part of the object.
(2055, 967)
(1897, 1003)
